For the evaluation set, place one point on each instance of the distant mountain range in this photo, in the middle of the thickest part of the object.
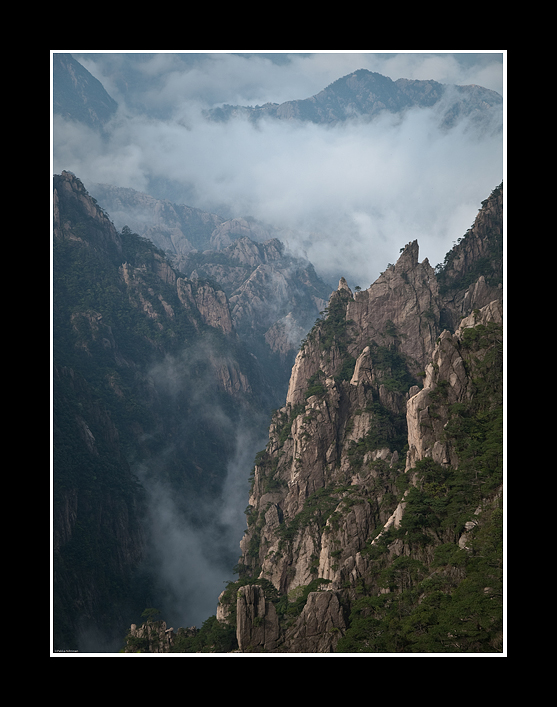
(77, 95)
(367, 94)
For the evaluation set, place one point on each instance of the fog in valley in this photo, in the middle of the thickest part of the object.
(347, 196)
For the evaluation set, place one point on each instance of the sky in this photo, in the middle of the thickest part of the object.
(349, 197)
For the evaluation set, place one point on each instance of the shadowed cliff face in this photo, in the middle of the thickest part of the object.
(378, 392)
(151, 380)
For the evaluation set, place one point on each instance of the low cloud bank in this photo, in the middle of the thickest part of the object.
(348, 196)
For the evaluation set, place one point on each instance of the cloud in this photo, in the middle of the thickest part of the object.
(348, 196)
(193, 561)
(194, 528)
(166, 80)
(355, 193)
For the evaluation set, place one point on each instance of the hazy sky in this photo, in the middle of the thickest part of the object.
(349, 196)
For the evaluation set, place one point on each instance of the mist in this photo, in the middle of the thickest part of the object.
(194, 528)
(193, 561)
(159, 83)
(349, 196)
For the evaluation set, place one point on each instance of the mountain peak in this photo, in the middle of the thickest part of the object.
(366, 94)
(409, 256)
(343, 285)
(337, 515)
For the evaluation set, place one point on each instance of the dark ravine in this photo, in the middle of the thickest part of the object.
(375, 513)
(154, 373)
(148, 373)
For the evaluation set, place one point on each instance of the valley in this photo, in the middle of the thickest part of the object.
(251, 454)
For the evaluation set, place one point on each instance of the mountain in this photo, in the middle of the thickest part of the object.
(177, 229)
(174, 228)
(150, 380)
(274, 299)
(367, 94)
(274, 296)
(79, 96)
(374, 521)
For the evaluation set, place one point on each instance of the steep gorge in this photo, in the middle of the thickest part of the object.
(150, 379)
(374, 518)
(162, 381)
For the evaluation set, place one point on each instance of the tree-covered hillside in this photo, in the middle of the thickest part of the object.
(143, 379)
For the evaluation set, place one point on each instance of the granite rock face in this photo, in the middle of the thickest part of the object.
(371, 390)
(257, 622)
(447, 376)
(154, 637)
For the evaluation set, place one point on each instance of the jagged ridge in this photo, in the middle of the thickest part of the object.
(366, 94)
(361, 451)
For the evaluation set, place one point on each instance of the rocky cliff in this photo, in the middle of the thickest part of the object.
(383, 465)
(274, 299)
(273, 296)
(149, 373)
(154, 637)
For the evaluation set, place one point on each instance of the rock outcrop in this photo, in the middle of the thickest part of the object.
(447, 381)
(257, 627)
(378, 389)
(402, 304)
(472, 274)
(239, 265)
(212, 304)
(102, 236)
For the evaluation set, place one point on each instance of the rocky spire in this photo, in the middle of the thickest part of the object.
(369, 397)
